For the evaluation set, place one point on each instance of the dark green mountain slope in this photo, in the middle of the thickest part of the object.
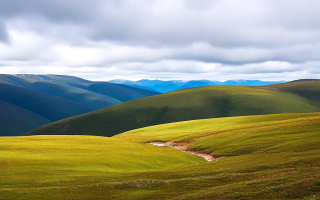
(117, 91)
(15, 120)
(84, 97)
(54, 97)
(309, 89)
(48, 106)
(78, 94)
(189, 104)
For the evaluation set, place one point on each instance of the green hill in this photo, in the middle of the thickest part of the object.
(261, 157)
(309, 89)
(182, 105)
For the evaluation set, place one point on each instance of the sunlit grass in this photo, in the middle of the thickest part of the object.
(262, 157)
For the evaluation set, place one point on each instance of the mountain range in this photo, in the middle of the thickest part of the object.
(168, 86)
(31, 101)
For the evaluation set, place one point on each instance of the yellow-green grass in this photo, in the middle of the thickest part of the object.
(182, 105)
(263, 157)
(238, 135)
(35, 163)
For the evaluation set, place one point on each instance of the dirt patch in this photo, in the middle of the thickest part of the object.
(182, 146)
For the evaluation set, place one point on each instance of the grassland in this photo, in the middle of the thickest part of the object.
(33, 167)
(262, 157)
(182, 105)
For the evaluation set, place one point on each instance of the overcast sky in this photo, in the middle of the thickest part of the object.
(161, 39)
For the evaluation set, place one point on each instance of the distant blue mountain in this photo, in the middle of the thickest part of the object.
(250, 82)
(168, 86)
(199, 83)
(154, 85)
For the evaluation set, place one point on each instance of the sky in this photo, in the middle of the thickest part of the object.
(162, 39)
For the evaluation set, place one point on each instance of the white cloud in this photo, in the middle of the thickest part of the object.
(183, 39)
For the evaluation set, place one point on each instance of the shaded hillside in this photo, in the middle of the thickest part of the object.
(309, 89)
(15, 120)
(54, 97)
(84, 97)
(48, 106)
(87, 98)
(189, 104)
(96, 95)
(26, 109)
(117, 91)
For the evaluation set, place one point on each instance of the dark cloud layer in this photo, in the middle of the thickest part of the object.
(111, 34)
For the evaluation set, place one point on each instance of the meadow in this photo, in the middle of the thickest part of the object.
(260, 157)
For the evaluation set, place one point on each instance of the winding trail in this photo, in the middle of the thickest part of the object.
(182, 146)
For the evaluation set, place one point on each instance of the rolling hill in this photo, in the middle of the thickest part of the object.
(309, 89)
(259, 157)
(188, 104)
(53, 98)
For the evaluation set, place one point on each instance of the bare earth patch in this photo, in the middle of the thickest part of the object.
(182, 146)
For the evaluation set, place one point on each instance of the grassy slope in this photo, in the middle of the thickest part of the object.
(307, 89)
(43, 166)
(198, 103)
(264, 157)
(12, 115)
(194, 129)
